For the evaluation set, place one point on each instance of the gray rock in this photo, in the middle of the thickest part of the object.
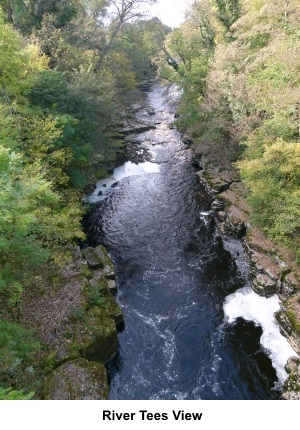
(77, 380)
(292, 384)
(94, 258)
(264, 285)
(112, 286)
(293, 365)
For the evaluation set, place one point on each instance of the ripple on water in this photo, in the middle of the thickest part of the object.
(174, 272)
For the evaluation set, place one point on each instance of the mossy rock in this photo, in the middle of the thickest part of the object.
(288, 324)
(99, 261)
(108, 267)
(114, 311)
(293, 317)
(109, 304)
(64, 354)
(292, 384)
(77, 380)
(101, 284)
(96, 336)
(94, 258)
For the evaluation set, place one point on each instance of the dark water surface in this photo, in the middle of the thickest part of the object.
(174, 273)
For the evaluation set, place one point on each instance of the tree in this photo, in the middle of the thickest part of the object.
(18, 346)
(238, 63)
(228, 12)
(122, 11)
(141, 41)
(33, 220)
(186, 58)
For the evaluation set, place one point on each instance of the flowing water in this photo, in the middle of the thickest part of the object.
(174, 273)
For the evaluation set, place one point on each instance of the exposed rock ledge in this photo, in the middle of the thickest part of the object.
(292, 386)
(76, 316)
(268, 263)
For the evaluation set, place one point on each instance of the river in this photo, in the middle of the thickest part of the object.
(175, 272)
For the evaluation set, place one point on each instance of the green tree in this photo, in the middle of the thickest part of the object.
(18, 346)
(122, 11)
(228, 11)
(33, 221)
(186, 58)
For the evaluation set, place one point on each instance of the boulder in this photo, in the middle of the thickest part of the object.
(94, 258)
(77, 380)
(63, 354)
(293, 366)
(264, 286)
(112, 286)
(97, 258)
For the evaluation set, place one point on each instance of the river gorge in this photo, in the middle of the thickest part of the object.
(194, 329)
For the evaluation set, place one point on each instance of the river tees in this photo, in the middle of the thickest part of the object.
(184, 337)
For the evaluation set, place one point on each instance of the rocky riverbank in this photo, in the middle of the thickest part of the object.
(75, 315)
(272, 268)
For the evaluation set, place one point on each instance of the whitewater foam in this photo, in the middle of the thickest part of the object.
(128, 169)
(246, 304)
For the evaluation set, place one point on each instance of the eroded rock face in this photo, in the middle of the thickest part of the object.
(77, 380)
(228, 195)
(92, 332)
(267, 272)
(292, 384)
(96, 336)
(288, 319)
(106, 268)
(76, 316)
(270, 275)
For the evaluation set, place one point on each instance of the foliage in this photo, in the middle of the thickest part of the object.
(274, 180)
(95, 298)
(17, 348)
(32, 221)
(10, 394)
(228, 11)
(77, 313)
(53, 121)
(68, 70)
(238, 64)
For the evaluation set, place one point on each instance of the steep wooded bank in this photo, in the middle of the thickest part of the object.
(68, 72)
(238, 64)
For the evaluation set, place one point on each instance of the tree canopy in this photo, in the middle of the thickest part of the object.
(238, 63)
(67, 71)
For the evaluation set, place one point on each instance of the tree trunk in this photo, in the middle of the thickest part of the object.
(9, 12)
